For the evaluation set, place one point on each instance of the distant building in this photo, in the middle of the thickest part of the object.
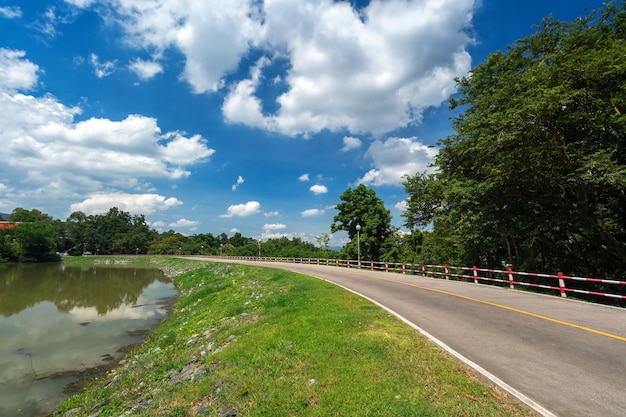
(8, 225)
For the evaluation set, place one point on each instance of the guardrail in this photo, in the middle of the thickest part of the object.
(583, 287)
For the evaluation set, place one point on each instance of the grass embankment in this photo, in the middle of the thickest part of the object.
(251, 341)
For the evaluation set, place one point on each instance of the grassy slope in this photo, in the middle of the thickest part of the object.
(251, 341)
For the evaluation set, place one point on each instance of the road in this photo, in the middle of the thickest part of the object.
(561, 357)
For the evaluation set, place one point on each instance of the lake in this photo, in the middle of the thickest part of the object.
(58, 323)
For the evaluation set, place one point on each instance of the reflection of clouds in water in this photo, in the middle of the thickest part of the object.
(56, 340)
(145, 307)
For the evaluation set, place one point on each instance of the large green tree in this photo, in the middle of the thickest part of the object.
(536, 170)
(37, 241)
(362, 206)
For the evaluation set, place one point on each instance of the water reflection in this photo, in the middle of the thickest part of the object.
(56, 319)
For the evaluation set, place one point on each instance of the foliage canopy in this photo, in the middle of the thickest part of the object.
(536, 170)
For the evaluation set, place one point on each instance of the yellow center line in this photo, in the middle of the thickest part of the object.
(505, 307)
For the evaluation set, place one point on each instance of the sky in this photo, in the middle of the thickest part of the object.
(226, 116)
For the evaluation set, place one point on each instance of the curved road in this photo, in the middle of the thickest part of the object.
(560, 357)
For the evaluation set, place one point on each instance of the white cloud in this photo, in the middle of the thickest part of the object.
(16, 73)
(101, 69)
(181, 150)
(241, 105)
(242, 210)
(401, 205)
(395, 158)
(350, 143)
(318, 189)
(99, 203)
(234, 230)
(145, 70)
(312, 212)
(368, 72)
(10, 12)
(274, 226)
(271, 213)
(304, 177)
(371, 70)
(184, 223)
(56, 160)
(81, 3)
(236, 185)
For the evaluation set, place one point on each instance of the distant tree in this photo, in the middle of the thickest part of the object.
(168, 245)
(22, 215)
(37, 241)
(362, 206)
(9, 250)
(323, 240)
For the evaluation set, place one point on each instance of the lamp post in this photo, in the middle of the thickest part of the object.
(221, 244)
(259, 248)
(358, 244)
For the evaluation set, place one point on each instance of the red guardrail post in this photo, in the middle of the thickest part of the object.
(386, 266)
(562, 285)
(446, 272)
(511, 283)
(403, 268)
(475, 274)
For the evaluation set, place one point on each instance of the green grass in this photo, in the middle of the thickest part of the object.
(266, 342)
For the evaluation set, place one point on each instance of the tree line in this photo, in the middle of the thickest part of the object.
(40, 238)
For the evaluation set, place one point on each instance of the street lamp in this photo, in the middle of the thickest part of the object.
(221, 244)
(358, 244)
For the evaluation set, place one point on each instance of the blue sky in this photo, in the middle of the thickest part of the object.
(224, 116)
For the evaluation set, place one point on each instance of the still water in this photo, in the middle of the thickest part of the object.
(56, 321)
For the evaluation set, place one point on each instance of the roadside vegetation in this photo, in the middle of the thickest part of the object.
(250, 341)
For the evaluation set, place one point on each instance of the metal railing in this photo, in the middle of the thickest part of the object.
(583, 287)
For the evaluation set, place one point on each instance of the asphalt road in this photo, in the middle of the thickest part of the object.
(561, 357)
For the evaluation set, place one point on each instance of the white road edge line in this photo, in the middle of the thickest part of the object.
(494, 379)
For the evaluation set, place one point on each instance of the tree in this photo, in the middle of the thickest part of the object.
(362, 206)
(536, 170)
(323, 240)
(22, 215)
(37, 241)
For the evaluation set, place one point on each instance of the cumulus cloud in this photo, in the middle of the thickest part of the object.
(396, 157)
(370, 70)
(16, 73)
(239, 181)
(274, 226)
(350, 143)
(304, 178)
(401, 205)
(312, 212)
(318, 189)
(99, 203)
(184, 223)
(271, 213)
(243, 210)
(45, 151)
(145, 70)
